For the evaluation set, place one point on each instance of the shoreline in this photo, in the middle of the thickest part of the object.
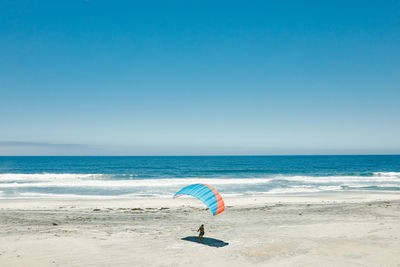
(326, 197)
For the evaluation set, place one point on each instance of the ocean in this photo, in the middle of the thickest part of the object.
(130, 177)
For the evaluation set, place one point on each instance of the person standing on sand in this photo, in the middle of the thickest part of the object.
(201, 230)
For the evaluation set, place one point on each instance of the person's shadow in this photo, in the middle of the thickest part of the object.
(212, 242)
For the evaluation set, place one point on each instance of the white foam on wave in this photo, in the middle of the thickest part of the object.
(136, 183)
(33, 195)
(354, 186)
(13, 180)
(76, 196)
(322, 189)
(38, 177)
(83, 186)
(387, 174)
(341, 179)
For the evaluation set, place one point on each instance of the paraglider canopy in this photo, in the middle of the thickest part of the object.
(206, 194)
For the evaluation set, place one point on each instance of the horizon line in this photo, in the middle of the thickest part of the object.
(219, 155)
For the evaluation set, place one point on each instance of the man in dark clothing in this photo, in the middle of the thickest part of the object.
(201, 230)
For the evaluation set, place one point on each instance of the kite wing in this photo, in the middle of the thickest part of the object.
(206, 194)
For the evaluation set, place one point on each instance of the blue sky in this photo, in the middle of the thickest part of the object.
(199, 77)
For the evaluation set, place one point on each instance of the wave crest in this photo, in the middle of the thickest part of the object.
(53, 185)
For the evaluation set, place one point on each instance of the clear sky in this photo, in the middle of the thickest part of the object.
(199, 77)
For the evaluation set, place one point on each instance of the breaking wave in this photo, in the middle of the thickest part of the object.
(70, 185)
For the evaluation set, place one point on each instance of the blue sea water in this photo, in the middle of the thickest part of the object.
(125, 177)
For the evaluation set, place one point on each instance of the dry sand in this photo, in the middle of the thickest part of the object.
(313, 230)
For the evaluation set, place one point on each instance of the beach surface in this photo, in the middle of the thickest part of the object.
(296, 230)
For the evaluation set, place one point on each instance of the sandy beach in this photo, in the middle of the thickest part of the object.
(311, 230)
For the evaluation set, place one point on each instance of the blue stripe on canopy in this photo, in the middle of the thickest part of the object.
(203, 193)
